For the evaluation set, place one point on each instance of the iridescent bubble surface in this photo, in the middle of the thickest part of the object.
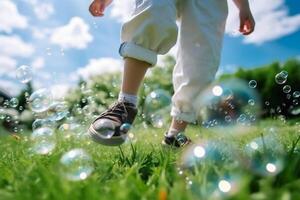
(229, 103)
(281, 77)
(286, 89)
(24, 74)
(76, 165)
(57, 111)
(13, 102)
(40, 100)
(265, 154)
(252, 84)
(42, 141)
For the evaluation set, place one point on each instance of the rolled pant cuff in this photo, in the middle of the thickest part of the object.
(131, 50)
(189, 117)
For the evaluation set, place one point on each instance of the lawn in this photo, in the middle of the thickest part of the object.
(143, 169)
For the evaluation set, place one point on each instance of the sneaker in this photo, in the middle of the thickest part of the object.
(110, 121)
(180, 140)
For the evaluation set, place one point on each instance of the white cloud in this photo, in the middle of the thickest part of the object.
(38, 63)
(10, 87)
(42, 10)
(73, 35)
(15, 46)
(10, 17)
(272, 21)
(100, 66)
(122, 9)
(7, 65)
(59, 91)
(40, 33)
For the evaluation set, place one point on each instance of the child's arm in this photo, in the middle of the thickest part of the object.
(247, 22)
(97, 7)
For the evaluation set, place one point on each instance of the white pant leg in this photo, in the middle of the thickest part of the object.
(202, 24)
(151, 30)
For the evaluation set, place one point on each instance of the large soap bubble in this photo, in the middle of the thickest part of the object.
(230, 103)
(218, 163)
(265, 154)
(58, 110)
(43, 141)
(157, 107)
(40, 100)
(76, 165)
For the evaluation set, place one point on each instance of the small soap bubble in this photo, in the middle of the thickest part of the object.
(296, 94)
(125, 127)
(287, 89)
(24, 74)
(13, 102)
(252, 84)
(281, 77)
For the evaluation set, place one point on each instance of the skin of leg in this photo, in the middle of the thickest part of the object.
(178, 125)
(133, 75)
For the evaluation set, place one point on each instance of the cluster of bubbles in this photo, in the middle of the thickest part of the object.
(228, 104)
(281, 79)
(51, 114)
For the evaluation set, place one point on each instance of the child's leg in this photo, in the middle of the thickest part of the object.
(202, 25)
(152, 30)
(134, 72)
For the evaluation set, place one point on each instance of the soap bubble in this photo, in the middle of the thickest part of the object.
(281, 77)
(209, 158)
(157, 107)
(234, 105)
(286, 89)
(40, 123)
(76, 165)
(125, 127)
(43, 141)
(40, 100)
(265, 154)
(13, 102)
(296, 94)
(295, 110)
(24, 74)
(57, 111)
(209, 152)
(252, 84)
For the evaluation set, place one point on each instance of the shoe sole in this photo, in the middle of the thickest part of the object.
(113, 141)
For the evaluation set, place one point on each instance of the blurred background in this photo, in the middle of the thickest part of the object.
(68, 52)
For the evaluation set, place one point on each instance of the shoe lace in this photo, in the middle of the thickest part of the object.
(118, 109)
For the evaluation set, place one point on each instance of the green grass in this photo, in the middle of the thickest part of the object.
(143, 169)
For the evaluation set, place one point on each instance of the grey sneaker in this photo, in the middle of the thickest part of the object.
(106, 129)
(180, 140)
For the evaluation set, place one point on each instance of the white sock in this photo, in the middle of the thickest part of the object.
(129, 98)
(173, 132)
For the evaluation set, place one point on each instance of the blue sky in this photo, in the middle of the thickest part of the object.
(61, 41)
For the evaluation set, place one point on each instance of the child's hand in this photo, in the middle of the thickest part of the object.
(97, 7)
(247, 22)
